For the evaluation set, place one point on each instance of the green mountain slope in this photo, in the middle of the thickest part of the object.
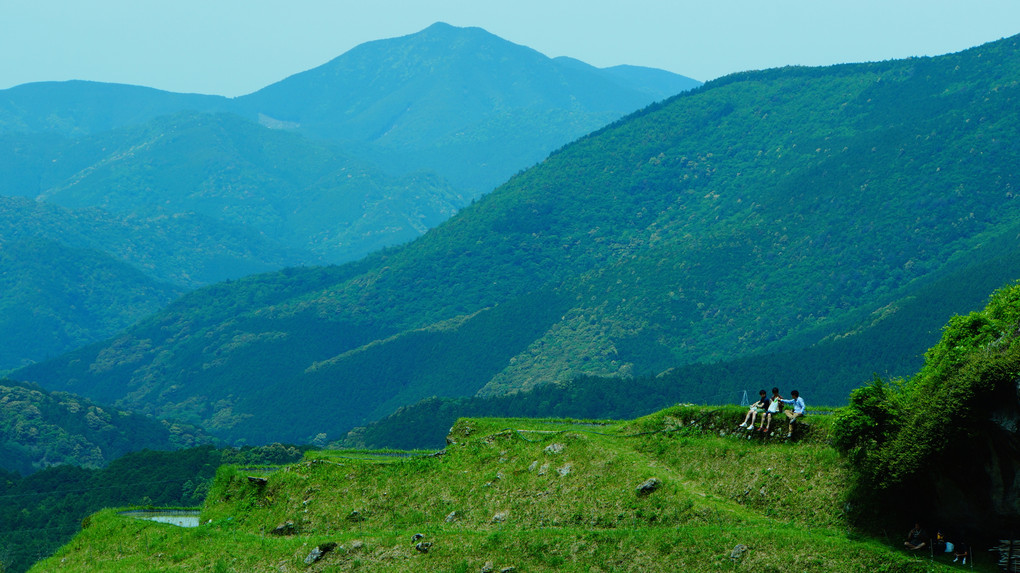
(71, 278)
(58, 298)
(764, 212)
(890, 342)
(305, 196)
(185, 249)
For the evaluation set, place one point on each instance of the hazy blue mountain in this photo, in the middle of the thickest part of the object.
(77, 107)
(57, 298)
(460, 101)
(656, 83)
(765, 212)
(192, 192)
(182, 249)
(75, 277)
(455, 101)
(303, 195)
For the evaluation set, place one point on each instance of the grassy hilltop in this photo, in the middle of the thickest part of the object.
(534, 495)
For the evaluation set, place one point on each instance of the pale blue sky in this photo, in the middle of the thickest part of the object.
(234, 47)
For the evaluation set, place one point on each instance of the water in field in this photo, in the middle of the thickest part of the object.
(178, 517)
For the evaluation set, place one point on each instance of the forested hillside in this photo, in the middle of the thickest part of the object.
(823, 372)
(71, 278)
(186, 250)
(308, 199)
(57, 298)
(764, 212)
(40, 429)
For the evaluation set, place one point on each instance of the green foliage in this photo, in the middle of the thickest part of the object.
(39, 429)
(871, 418)
(898, 435)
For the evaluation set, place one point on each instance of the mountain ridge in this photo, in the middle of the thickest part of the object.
(759, 214)
(174, 167)
(453, 87)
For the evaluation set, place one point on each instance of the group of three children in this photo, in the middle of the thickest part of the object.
(768, 406)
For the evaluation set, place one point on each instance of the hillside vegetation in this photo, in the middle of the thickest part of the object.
(681, 489)
(765, 212)
(908, 435)
(57, 298)
(527, 494)
(821, 371)
(302, 196)
(39, 429)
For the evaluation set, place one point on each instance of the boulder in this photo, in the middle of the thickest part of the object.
(554, 449)
(285, 528)
(319, 552)
(738, 552)
(648, 486)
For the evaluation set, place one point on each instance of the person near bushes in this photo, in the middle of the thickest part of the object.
(917, 538)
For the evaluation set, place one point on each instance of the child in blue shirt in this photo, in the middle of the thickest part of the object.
(798, 409)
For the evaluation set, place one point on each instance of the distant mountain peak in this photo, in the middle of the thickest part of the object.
(449, 91)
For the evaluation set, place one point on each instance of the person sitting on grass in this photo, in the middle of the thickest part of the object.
(961, 549)
(941, 544)
(758, 407)
(798, 409)
(773, 408)
(917, 538)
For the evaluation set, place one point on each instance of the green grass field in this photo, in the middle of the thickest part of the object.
(531, 495)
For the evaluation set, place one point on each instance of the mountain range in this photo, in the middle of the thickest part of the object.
(765, 214)
(367, 151)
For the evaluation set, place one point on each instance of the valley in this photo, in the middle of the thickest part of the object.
(446, 304)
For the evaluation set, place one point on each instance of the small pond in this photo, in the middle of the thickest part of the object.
(178, 517)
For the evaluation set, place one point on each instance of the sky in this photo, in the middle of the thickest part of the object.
(235, 47)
